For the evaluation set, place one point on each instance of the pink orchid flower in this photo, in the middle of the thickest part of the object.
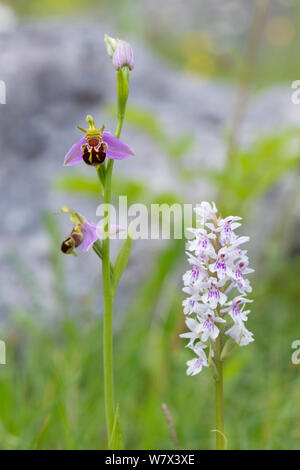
(95, 146)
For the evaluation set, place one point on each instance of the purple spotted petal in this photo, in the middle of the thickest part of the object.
(74, 155)
(89, 234)
(116, 149)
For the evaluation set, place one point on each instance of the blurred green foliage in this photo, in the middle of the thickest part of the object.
(51, 390)
(51, 393)
(195, 47)
(146, 122)
(253, 172)
(88, 186)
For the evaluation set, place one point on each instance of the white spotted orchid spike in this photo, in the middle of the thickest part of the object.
(216, 306)
(95, 146)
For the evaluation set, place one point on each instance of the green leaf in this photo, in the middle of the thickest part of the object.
(102, 174)
(78, 184)
(122, 260)
(116, 440)
(98, 249)
(89, 186)
(228, 349)
(135, 190)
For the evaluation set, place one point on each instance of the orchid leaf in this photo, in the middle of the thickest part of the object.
(102, 174)
(98, 249)
(89, 186)
(78, 184)
(228, 349)
(116, 440)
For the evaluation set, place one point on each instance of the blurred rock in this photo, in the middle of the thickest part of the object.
(55, 74)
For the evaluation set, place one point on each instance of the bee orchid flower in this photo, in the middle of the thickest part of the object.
(95, 146)
(84, 233)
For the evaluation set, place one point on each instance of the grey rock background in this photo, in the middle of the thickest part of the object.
(55, 74)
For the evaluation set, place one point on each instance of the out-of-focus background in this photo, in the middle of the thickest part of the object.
(210, 116)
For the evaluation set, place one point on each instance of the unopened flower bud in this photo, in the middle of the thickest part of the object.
(110, 44)
(123, 55)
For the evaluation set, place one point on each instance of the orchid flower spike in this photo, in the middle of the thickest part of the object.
(95, 146)
(216, 285)
(84, 233)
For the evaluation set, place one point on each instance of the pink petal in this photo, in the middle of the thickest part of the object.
(113, 230)
(123, 55)
(116, 149)
(89, 235)
(74, 155)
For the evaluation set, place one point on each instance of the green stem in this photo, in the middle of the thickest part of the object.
(108, 298)
(119, 126)
(108, 312)
(220, 440)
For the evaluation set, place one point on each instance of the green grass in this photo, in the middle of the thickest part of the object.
(51, 390)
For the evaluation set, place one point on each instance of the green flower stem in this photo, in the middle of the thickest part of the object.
(122, 96)
(220, 438)
(108, 302)
(108, 294)
(220, 441)
(108, 312)
(119, 128)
